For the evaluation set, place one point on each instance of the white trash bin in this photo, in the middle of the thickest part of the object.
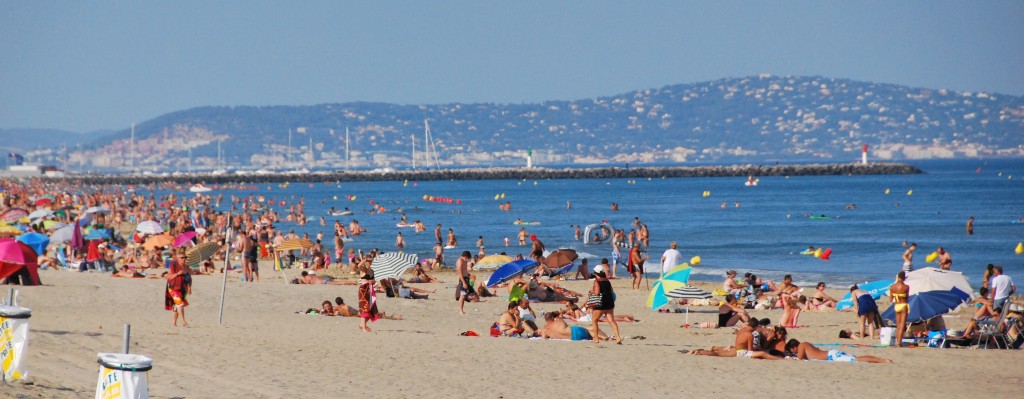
(14, 342)
(123, 376)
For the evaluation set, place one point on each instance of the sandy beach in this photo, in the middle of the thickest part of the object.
(265, 349)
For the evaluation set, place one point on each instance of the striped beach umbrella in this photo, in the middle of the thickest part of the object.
(200, 253)
(293, 244)
(12, 215)
(392, 264)
(688, 292)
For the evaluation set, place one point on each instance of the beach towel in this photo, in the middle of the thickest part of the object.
(367, 301)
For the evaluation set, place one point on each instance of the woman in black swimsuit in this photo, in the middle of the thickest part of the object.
(606, 307)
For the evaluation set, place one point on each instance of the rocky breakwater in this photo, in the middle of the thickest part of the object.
(511, 174)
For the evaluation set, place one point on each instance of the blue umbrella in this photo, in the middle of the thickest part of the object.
(37, 241)
(99, 234)
(928, 304)
(510, 271)
(875, 288)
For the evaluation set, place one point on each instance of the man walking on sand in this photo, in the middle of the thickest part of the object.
(463, 289)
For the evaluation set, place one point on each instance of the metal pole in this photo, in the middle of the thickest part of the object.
(14, 298)
(127, 337)
(10, 297)
(224, 285)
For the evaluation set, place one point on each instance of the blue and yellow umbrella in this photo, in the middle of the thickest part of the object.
(674, 279)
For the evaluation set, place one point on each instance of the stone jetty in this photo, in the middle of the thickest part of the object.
(508, 174)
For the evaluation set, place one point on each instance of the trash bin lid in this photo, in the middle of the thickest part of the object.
(15, 312)
(125, 361)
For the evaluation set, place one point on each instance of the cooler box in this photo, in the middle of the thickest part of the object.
(888, 336)
(123, 376)
(13, 342)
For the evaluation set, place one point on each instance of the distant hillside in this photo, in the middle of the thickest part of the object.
(24, 141)
(754, 119)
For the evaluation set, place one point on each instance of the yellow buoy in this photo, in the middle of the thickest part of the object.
(694, 261)
(335, 197)
(496, 196)
(426, 197)
(931, 257)
(886, 191)
(817, 253)
(1020, 248)
(502, 195)
(910, 192)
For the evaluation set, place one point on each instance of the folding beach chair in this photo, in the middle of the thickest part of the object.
(994, 330)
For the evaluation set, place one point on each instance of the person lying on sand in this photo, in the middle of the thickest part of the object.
(124, 272)
(421, 276)
(556, 328)
(395, 288)
(807, 351)
(309, 277)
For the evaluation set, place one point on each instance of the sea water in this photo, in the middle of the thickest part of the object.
(760, 229)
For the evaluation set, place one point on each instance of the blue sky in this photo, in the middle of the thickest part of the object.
(89, 65)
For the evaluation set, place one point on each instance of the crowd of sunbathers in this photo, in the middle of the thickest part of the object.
(753, 292)
(757, 339)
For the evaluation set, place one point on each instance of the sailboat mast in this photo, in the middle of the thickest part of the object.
(346, 148)
(413, 151)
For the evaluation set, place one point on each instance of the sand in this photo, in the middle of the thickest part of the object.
(264, 349)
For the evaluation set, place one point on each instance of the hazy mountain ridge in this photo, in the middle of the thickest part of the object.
(754, 119)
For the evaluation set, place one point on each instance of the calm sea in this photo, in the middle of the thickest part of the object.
(764, 234)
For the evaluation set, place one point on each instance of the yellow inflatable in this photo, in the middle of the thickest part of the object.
(1020, 248)
(694, 261)
(910, 192)
(886, 191)
(817, 253)
(931, 257)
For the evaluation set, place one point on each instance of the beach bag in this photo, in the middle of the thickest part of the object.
(594, 300)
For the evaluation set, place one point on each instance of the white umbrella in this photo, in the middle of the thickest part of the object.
(98, 209)
(39, 214)
(392, 264)
(149, 227)
(932, 279)
(62, 234)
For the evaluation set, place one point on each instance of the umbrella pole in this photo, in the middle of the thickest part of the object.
(227, 265)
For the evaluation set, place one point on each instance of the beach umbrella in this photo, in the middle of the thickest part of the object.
(184, 238)
(200, 253)
(12, 215)
(392, 264)
(36, 241)
(933, 279)
(76, 237)
(563, 270)
(510, 271)
(560, 257)
(62, 235)
(688, 292)
(293, 244)
(10, 252)
(492, 261)
(928, 304)
(149, 227)
(85, 219)
(9, 231)
(40, 214)
(44, 201)
(158, 241)
(98, 234)
(98, 209)
(52, 224)
(875, 288)
(675, 278)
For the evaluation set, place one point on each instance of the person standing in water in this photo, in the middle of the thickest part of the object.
(970, 226)
(908, 258)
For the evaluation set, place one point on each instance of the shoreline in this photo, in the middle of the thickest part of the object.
(510, 174)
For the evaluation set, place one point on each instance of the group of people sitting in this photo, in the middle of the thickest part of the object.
(752, 292)
(757, 339)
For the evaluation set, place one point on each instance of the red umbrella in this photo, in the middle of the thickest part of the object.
(44, 201)
(26, 259)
